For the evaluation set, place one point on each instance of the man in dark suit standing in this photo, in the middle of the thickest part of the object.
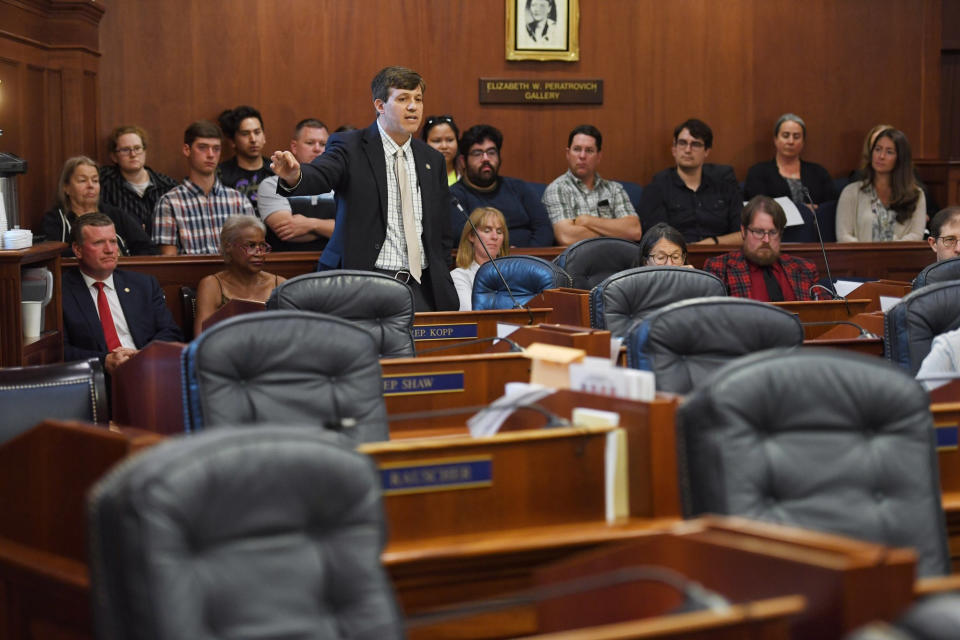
(107, 313)
(392, 196)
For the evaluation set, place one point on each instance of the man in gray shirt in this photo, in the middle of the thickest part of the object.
(583, 205)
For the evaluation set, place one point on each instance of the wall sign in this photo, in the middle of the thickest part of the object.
(540, 91)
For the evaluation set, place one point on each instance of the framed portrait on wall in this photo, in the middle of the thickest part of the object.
(543, 30)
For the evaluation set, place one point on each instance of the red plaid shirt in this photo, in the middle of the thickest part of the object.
(733, 269)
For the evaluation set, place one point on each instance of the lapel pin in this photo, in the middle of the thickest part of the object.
(126, 289)
(428, 166)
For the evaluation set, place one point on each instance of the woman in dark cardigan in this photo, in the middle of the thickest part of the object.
(788, 175)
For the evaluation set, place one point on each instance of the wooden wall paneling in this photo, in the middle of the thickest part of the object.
(950, 105)
(736, 64)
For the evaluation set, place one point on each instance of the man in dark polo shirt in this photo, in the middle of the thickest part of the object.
(703, 202)
(758, 270)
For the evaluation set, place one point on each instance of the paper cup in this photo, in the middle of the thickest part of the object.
(31, 318)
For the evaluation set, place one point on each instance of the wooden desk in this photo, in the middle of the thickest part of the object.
(447, 328)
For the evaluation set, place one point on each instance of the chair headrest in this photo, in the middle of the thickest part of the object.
(920, 316)
(590, 261)
(942, 271)
(526, 275)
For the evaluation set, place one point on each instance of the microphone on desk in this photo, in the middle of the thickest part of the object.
(513, 345)
(864, 334)
(696, 596)
(553, 420)
(516, 304)
(823, 249)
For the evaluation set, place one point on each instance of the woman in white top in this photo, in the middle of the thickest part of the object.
(492, 234)
(887, 204)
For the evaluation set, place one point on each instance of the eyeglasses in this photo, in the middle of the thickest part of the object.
(695, 145)
(763, 234)
(948, 241)
(252, 248)
(131, 151)
(479, 153)
(664, 258)
(432, 120)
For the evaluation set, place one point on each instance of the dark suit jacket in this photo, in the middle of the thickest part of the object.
(144, 309)
(353, 166)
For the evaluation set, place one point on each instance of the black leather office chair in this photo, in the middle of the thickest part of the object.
(936, 617)
(942, 271)
(684, 342)
(241, 533)
(591, 261)
(285, 367)
(824, 439)
(374, 301)
(64, 391)
(526, 275)
(627, 296)
(910, 327)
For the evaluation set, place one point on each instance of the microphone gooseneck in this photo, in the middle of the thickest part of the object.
(823, 248)
(516, 304)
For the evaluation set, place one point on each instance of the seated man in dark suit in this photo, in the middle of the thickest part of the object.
(701, 201)
(758, 270)
(107, 313)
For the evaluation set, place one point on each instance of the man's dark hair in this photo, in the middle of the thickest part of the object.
(395, 78)
(477, 134)
(587, 130)
(950, 214)
(763, 204)
(698, 129)
(312, 123)
(88, 220)
(230, 119)
(201, 129)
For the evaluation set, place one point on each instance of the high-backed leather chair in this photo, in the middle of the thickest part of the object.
(526, 275)
(684, 342)
(374, 301)
(590, 261)
(285, 367)
(627, 296)
(942, 271)
(910, 327)
(65, 391)
(241, 533)
(817, 438)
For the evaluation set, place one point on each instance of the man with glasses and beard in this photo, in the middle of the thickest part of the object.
(758, 270)
(483, 186)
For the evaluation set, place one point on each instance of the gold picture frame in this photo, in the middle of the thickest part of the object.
(543, 30)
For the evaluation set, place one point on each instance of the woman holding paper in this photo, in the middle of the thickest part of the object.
(806, 183)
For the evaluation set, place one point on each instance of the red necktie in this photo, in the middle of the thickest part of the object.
(106, 318)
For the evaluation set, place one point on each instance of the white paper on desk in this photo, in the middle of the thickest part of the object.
(488, 421)
(615, 344)
(617, 489)
(504, 329)
(888, 302)
(846, 287)
(793, 214)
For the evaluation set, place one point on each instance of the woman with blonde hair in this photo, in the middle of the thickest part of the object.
(244, 252)
(491, 234)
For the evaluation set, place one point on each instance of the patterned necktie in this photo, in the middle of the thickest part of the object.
(106, 318)
(406, 213)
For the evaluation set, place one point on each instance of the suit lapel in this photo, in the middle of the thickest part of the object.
(88, 311)
(128, 296)
(373, 148)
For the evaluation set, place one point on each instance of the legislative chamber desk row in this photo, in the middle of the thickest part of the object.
(899, 261)
(473, 518)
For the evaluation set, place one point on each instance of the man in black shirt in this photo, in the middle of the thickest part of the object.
(247, 169)
(703, 202)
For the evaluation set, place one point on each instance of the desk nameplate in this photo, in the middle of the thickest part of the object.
(439, 474)
(407, 384)
(451, 331)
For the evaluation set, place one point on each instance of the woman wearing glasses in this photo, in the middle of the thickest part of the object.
(887, 205)
(128, 183)
(662, 245)
(78, 193)
(244, 250)
(441, 133)
(787, 175)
